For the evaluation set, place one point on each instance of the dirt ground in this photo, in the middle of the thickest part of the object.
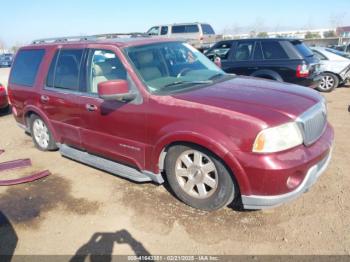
(79, 209)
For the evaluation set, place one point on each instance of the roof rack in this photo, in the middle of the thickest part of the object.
(63, 39)
(88, 38)
(121, 35)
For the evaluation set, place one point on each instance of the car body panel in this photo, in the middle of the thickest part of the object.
(282, 69)
(334, 63)
(3, 97)
(224, 118)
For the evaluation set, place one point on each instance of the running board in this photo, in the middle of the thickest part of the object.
(110, 166)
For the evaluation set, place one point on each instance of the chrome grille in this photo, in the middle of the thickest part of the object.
(313, 123)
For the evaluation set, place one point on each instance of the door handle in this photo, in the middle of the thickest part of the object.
(90, 107)
(44, 99)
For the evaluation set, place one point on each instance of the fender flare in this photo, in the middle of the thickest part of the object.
(267, 72)
(43, 116)
(183, 137)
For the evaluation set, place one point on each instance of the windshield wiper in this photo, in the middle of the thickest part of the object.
(188, 82)
(218, 75)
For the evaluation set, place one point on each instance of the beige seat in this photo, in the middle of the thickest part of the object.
(101, 73)
(148, 66)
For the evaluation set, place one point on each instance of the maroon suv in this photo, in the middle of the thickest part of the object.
(143, 108)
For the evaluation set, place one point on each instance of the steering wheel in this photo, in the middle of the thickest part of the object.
(183, 72)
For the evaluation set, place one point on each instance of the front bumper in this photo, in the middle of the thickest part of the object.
(262, 202)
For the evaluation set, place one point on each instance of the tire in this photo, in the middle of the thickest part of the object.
(41, 135)
(328, 83)
(186, 178)
(4, 111)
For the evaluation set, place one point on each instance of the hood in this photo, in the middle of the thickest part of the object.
(255, 97)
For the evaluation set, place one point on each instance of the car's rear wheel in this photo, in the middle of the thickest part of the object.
(199, 178)
(42, 137)
(328, 83)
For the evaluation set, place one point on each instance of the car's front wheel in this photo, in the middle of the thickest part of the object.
(328, 83)
(41, 134)
(199, 178)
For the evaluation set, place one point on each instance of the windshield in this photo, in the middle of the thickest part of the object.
(343, 54)
(207, 29)
(173, 66)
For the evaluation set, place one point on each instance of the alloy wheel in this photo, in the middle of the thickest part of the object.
(327, 82)
(196, 173)
(41, 133)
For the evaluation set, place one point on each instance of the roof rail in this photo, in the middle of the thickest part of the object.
(88, 38)
(121, 35)
(63, 39)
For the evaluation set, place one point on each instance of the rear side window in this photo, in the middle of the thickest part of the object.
(26, 66)
(64, 70)
(244, 51)
(180, 29)
(207, 29)
(303, 49)
(273, 50)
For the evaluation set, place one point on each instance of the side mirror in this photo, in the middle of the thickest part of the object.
(115, 90)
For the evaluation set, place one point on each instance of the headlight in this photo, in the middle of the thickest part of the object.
(278, 138)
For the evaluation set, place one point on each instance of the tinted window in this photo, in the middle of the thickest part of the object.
(180, 29)
(207, 29)
(244, 51)
(302, 48)
(164, 30)
(258, 55)
(51, 74)
(273, 50)
(67, 69)
(106, 67)
(26, 67)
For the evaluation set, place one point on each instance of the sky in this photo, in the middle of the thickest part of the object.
(25, 20)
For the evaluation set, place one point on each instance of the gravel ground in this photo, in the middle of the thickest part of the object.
(79, 209)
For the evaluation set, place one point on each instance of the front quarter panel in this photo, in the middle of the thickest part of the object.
(172, 120)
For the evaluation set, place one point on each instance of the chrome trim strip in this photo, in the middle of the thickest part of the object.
(263, 202)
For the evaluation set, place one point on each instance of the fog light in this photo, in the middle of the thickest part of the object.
(293, 181)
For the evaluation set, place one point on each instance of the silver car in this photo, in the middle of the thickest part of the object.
(335, 69)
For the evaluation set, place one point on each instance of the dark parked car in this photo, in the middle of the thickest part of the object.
(152, 106)
(284, 60)
(4, 105)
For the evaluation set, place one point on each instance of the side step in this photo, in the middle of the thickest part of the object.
(109, 166)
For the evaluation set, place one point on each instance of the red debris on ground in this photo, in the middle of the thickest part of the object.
(19, 163)
(26, 179)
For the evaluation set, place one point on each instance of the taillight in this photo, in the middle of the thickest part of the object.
(302, 71)
(2, 88)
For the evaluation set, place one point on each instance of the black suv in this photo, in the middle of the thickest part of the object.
(285, 60)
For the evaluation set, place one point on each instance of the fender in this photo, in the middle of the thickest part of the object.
(267, 72)
(220, 146)
(39, 112)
